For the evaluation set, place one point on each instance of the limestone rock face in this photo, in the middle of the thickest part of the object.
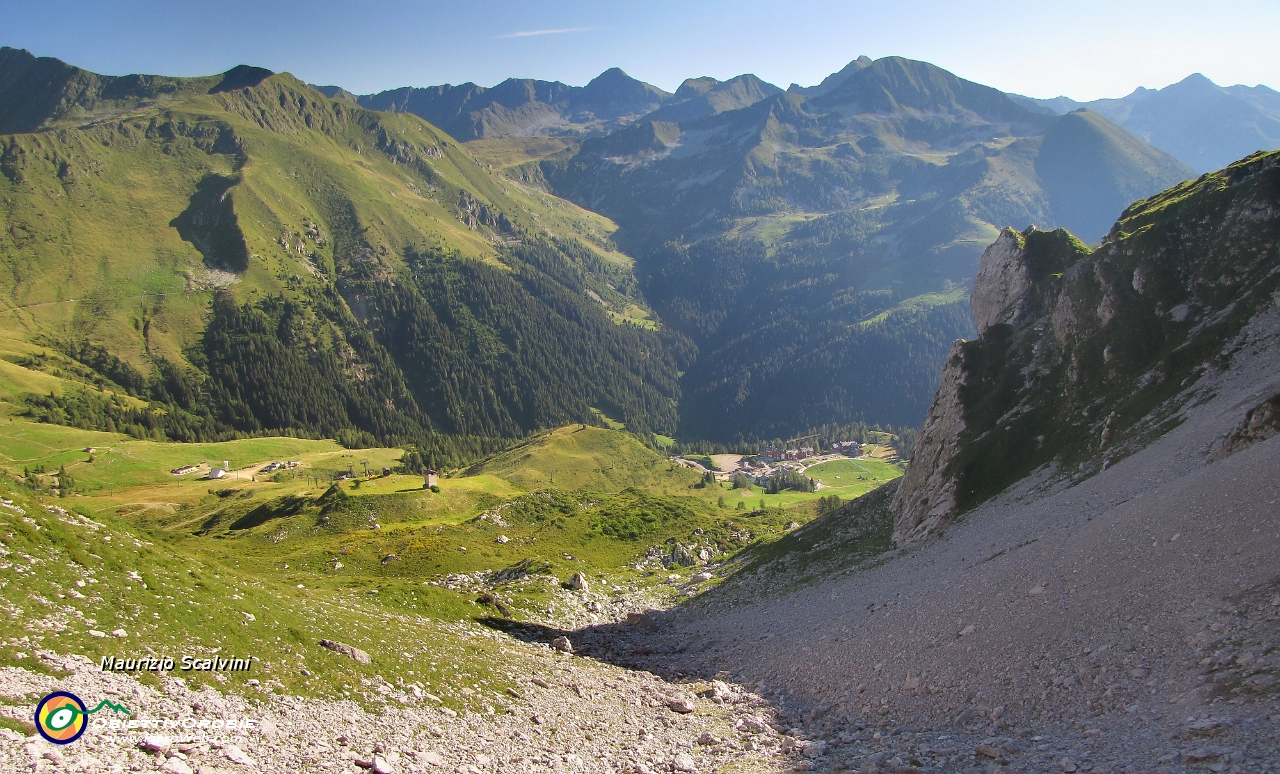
(1084, 357)
(1003, 279)
(926, 495)
(1016, 282)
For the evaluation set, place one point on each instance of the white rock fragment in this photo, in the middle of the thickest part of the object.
(433, 758)
(238, 756)
(176, 766)
(346, 650)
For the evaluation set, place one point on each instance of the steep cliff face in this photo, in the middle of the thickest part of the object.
(926, 498)
(1083, 357)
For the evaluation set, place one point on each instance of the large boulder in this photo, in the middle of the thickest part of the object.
(346, 650)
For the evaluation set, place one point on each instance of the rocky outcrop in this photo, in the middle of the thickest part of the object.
(1003, 279)
(1262, 422)
(1016, 280)
(1082, 358)
(926, 495)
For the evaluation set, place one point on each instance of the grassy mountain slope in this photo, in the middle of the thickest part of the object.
(72, 579)
(817, 248)
(593, 458)
(273, 563)
(257, 257)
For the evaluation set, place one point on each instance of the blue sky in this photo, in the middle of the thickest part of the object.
(1084, 49)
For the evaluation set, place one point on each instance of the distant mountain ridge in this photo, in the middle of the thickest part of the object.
(522, 106)
(1204, 125)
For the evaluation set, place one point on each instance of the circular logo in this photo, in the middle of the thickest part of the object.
(61, 717)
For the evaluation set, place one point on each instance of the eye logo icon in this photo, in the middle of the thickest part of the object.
(62, 718)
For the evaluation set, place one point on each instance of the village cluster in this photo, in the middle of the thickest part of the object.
(218, 472)
(779, 460)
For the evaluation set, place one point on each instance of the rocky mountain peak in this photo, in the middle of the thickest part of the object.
(614, 89)
(241, 77)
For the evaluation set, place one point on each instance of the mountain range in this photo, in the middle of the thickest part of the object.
(520, 106)
(1204, 125)
(817, 249)
(730, 262)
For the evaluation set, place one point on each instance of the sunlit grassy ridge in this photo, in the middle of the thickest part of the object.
(102, 197)
(362, 255)
(584, 457)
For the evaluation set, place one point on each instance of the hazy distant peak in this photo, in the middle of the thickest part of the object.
(833, 80)
(1200, 123)
(334, 92)
(706, 96)
(614, 86)
(1197, 79)
(693, 87)
(893, 83)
